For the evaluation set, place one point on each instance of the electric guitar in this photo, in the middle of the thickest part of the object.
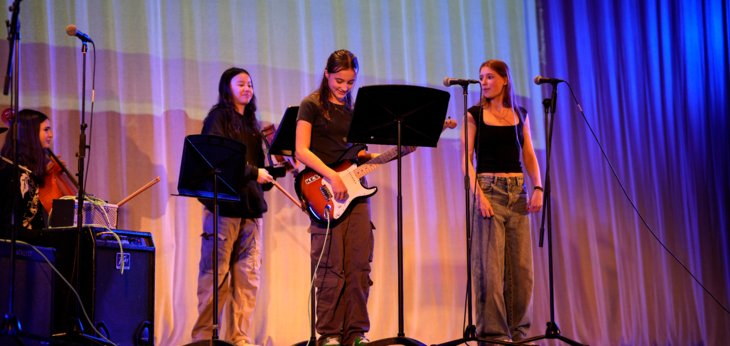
(316, 193)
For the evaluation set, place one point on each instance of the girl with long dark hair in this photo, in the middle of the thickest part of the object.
(34, 137)
(239, 223)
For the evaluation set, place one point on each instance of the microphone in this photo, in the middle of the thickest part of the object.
(72, 31)
(542, 80)
(456, 81)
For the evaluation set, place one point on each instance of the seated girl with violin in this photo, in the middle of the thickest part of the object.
(40, 174)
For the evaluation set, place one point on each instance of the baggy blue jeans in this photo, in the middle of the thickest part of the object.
(502, 261)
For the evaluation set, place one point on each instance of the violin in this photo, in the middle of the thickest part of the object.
(58, 182)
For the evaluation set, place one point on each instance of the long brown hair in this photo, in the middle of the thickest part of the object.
(339, 60)
(501, 68)
(30, 149)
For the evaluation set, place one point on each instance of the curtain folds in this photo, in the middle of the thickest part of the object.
(651, 77)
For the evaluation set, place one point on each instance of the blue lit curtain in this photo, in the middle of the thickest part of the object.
(652, 78)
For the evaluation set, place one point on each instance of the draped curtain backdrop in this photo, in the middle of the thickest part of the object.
(652, 78)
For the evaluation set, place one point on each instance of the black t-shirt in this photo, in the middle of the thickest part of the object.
(498, 147)
(227, 123)
(329, 137)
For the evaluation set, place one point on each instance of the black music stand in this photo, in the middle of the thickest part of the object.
(207, 163)
(285, 136)
(403, 115)
(284, 144)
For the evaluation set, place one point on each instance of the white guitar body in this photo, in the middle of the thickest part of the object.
(354, 190)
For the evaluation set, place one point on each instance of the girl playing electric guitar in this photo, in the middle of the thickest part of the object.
(343, 275)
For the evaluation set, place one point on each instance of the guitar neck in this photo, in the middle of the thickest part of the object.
(371, 165)
(390, 154)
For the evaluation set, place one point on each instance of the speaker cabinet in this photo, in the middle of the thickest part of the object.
(34, 281)
(124, 300)
(119, 303)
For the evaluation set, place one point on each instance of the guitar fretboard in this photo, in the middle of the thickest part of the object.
(370, 166)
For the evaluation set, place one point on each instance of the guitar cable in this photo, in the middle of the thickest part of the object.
(316, 267)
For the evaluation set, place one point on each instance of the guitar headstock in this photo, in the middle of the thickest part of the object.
(449, 123)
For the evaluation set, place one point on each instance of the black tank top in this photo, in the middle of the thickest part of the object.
(497, 146)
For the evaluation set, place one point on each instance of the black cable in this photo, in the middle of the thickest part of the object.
(633, 205)
(71, 288)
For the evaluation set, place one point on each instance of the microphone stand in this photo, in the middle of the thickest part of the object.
(11, 326)
(552, 331)
(470, 330)
(77, 333)
(82, 144)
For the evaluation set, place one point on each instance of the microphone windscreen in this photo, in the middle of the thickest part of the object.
(71, 30)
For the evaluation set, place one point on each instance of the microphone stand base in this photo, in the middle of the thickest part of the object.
(552, 332)
(11, 325)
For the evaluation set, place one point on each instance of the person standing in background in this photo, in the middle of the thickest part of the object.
(239, 223)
